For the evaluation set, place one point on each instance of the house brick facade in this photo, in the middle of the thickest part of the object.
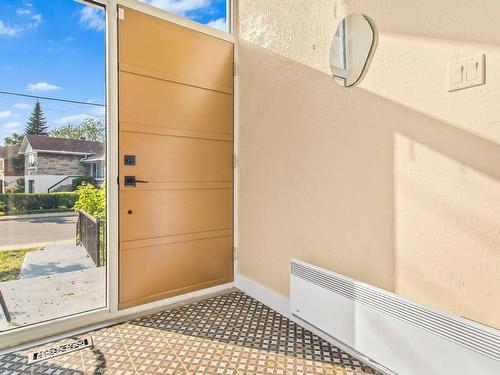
(56, 164)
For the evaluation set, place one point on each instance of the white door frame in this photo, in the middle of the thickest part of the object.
(32, 334)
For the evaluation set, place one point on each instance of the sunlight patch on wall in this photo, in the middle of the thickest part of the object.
(447, 233)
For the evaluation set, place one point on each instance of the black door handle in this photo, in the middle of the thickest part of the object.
(131, 181)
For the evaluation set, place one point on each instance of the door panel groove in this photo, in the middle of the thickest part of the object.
(162, 76)
(176, 186)
(175, 238)
(175, 132)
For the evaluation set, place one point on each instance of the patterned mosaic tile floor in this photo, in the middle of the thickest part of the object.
(228, 334)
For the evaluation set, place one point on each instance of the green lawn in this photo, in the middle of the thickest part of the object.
(11, 262)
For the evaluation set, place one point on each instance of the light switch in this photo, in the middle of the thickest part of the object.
(466, 73)
(471, 70)
(457, 73)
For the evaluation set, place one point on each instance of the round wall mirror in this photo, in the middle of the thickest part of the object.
(350, 49)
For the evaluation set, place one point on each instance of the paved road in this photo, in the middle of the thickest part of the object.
(40, 230)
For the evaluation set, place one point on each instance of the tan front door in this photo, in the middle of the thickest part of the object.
(176, 119)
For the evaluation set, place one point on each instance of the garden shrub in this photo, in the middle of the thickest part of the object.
(38, 201)
(92, 200)
(77, 182)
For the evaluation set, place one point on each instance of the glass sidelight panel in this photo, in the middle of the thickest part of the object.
(53, 249)
(214, 13)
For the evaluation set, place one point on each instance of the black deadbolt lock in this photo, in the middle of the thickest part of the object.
(129, 159)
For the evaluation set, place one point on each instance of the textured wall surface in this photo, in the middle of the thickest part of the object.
(395, 181)
(56, 164)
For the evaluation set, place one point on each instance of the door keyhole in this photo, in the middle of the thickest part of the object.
(130, 212)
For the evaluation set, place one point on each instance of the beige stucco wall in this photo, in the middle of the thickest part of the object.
(395, 182)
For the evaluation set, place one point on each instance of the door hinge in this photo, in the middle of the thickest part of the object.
(121, 14)
(118, 180)
(235, 161)
(234, 252)
(234, 68)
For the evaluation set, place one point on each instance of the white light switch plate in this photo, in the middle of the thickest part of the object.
(466, 73)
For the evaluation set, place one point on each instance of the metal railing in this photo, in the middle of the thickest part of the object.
(60, 182)
(91, 234)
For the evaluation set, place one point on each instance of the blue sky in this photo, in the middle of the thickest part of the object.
(56, 48)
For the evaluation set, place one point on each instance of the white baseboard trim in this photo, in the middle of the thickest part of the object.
(281, 304)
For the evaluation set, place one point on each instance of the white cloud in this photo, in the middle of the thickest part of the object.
(12, 125)
(42, 86)
(218, 24)
(23, 11)
(22, 106)
(8, 30)
(92, 18)
(5, 114)
(98, 111)
(37, 18)
(74, 118)
(179, 6)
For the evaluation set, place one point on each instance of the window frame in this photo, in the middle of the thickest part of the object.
(69, 325)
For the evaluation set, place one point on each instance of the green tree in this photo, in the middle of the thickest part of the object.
(37, 124)
(90, 129)
(16, 161)
(14, 140)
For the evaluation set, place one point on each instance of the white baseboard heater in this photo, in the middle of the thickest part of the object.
(402, 335)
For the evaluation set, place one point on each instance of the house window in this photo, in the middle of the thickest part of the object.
(99, 172)
(68, 131)
(31, 160)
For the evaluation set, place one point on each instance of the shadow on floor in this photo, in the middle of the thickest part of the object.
(228, 334)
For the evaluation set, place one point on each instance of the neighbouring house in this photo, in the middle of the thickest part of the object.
(51, 163)
(8, 176)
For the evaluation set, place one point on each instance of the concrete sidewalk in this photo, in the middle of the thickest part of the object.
(37, 244)
(42, 298)
(55, 259)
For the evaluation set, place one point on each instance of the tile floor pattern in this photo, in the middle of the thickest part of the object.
(228, 334)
